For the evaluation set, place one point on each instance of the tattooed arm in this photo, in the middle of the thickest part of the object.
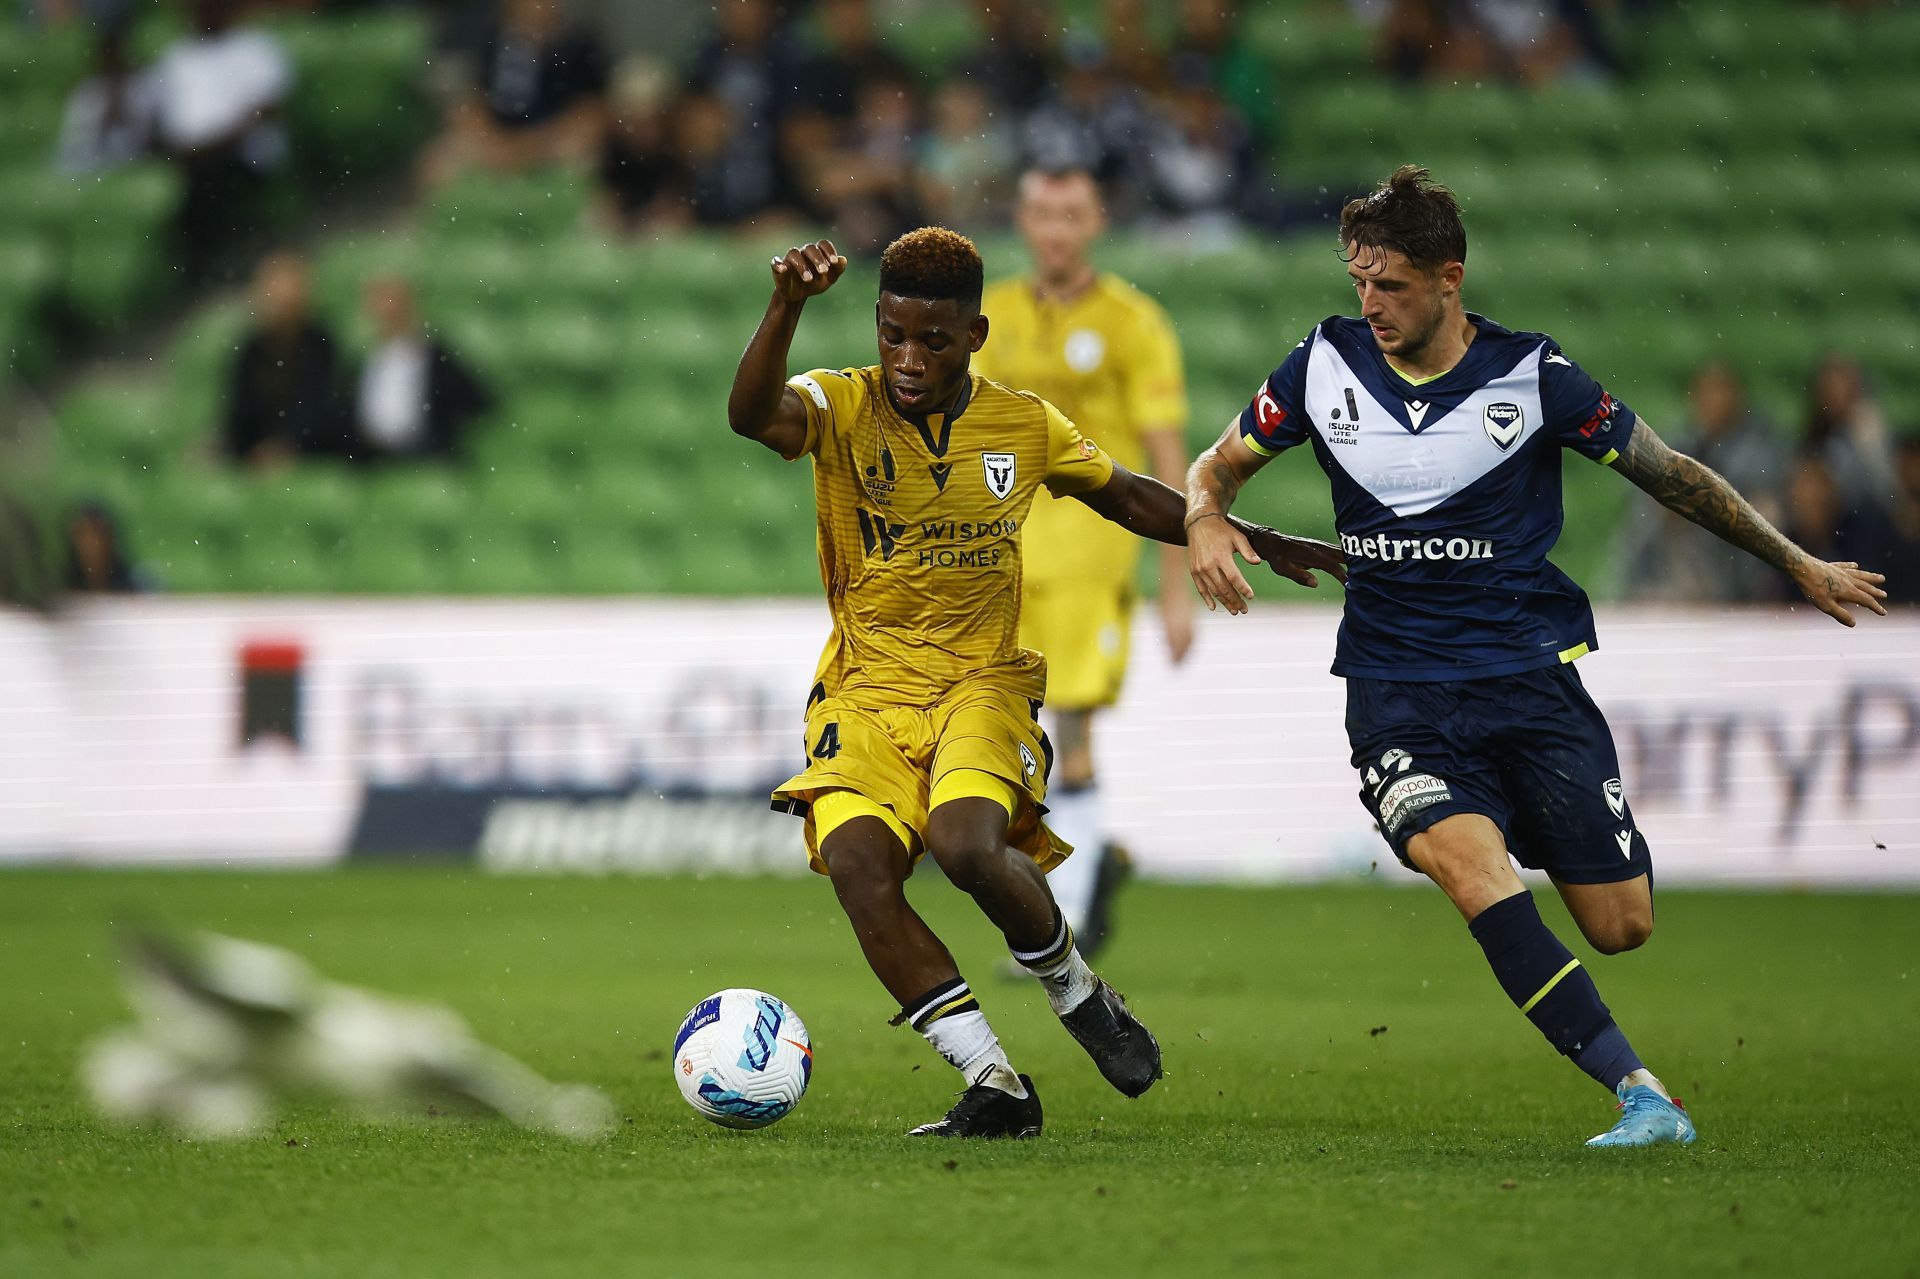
(1695, 491)
(1213, 540)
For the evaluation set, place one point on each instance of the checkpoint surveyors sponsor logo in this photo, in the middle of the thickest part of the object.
(1407, 795)
(998, 470)
(1504, 422)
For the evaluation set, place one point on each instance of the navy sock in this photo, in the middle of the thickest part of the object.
(1550, 986)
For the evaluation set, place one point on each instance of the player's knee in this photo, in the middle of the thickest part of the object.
(1624, 932)
(865, 879)
(968, 858)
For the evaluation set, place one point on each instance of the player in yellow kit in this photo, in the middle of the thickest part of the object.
(1105, 353)
(922, 729)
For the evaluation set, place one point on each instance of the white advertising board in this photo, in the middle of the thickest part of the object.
(1766, 748)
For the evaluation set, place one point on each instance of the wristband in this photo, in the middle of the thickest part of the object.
(1197, 516)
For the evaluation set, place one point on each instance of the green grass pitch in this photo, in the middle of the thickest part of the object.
(1347, 1094)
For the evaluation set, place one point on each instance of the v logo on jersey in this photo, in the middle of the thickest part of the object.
(940, 471)
(1417, 412)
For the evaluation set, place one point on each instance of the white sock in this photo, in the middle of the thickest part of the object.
(952, 1022)
(1063, 974)
(1074, 815)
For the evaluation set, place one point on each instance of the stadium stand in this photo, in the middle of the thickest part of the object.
(1683, 213)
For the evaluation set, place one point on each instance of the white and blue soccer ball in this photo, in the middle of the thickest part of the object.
(742, 1058)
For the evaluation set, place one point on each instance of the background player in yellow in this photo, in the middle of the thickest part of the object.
(922, 728)
(1105, 354)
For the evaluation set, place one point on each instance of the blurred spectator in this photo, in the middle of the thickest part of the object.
(1903, 565)
(415, 397)
(1523, 41)
(1133, 51)
(1014, 64)
(756, 74)
(1200, 168)
(218, 95)
(1846, 429)
(1668, 560)
(721, 190)
(1520, 41)
(967, 159)
(642, 178)
(282, 401)
(1209, 35)
(97, 555)
(1821, 519)
(1091, 120)
(536, 100)
(1411, 36)
(866, 182)
(849, 58)
(110, 116)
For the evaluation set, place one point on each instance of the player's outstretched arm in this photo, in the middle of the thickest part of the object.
(761, 405)
(1145, 506)
(1698, 492)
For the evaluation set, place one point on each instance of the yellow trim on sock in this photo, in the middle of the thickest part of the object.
(944, 1009)
(1607, 459)
(1542, 992)
(1575, 653)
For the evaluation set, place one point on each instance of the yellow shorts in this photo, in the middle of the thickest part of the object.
(904, 762)
(1082, 628)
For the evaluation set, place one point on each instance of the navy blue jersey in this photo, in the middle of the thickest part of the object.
(1446, 495)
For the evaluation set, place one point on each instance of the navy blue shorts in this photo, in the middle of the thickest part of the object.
(1529, 751)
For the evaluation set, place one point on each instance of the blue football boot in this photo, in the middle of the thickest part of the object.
(1647, 1119)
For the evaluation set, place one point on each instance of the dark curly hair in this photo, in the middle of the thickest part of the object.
(933, 263)
(1410, 213)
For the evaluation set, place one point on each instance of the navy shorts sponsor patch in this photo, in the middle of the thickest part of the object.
(1529, 751)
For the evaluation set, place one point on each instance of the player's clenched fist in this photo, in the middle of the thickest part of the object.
(807, 270)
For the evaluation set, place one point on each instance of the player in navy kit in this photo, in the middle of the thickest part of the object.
(1475, 742)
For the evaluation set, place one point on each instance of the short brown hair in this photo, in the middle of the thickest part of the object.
(1409, 213)
(935, 263)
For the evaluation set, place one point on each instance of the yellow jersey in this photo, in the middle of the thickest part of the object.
(920, 530)
(1110, 360)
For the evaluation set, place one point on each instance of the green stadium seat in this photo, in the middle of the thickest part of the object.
(391, 561)
(1698, 116)
(357, 101)
(41, 65)
(29, 128)
(28, 270)
(536, 208)
(1582, 120)
(1810, 122)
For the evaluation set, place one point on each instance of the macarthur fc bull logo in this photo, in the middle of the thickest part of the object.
(999, 472)
(1504, 422)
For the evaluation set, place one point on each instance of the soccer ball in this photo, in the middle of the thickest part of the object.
(742, 1058)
